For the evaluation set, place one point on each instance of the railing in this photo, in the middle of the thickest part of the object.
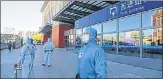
(10, 37)
(3, 46)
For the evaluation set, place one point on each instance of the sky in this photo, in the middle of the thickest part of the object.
(21, 15)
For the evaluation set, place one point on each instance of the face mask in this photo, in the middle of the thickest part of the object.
(85, 38)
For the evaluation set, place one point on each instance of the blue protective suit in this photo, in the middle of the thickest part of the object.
(26, 59)
(91, 59)
(33, 54)
(48, 47)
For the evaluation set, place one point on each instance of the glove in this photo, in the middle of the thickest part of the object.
(77, 76)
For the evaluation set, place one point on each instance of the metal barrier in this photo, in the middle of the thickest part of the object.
(3, 46)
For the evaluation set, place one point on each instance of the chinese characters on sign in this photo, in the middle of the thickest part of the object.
(120, 9)
(129, 7)
(125, 8)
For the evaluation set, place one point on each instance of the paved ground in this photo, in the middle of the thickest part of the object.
(64, 66)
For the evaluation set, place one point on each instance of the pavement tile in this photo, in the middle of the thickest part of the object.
(64, 66)
(127, 75)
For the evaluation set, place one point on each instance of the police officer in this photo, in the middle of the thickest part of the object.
(91, 57)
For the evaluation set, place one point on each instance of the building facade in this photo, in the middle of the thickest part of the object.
(157, 21)
(128, 29)
(57, 28)
(130, 32)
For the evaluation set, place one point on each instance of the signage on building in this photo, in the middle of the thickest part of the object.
(121, 9)
(125, 8)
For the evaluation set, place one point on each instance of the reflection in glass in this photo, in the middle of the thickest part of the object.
(109, 43)
(72, 37)
(131, 22)
(78, 31)
(73, 43)
(152, 18)
(84, 29)
(78, 37)
(65, 37)
(99, 40)
(97, 27)
(78, 40)
(129, 43)
(152, 43)
(109, 26)
(69, 37)
(70, 43)
(66, 43)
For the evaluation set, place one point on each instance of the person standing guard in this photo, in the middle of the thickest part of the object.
(91, 58)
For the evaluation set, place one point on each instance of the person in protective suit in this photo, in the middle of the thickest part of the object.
(48, 47)
(9, 46)
(91, 58)
(25, 59)
(33, 52)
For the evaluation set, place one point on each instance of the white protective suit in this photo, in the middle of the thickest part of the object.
(26, 59)
(33, 54)
(48, 47)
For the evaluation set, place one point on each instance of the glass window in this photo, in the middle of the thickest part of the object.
(78, 36)
(69, 37)
(65, 37)
(152, 18)
(97, 27)
(131, 22)
(72, 42)
(109, 26)
(78, 31)
(78, 40)
(84, 29)
(152, 43)
(109, 43)
(66, 43)
(72, 37)
(99, 40)
(129, 43)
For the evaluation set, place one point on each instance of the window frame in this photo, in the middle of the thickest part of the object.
(110, 21)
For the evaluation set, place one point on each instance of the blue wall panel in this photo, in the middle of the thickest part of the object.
(98, 16)
(82, 22)
(123, 8)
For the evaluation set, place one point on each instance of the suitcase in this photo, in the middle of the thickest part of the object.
(17, 72)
